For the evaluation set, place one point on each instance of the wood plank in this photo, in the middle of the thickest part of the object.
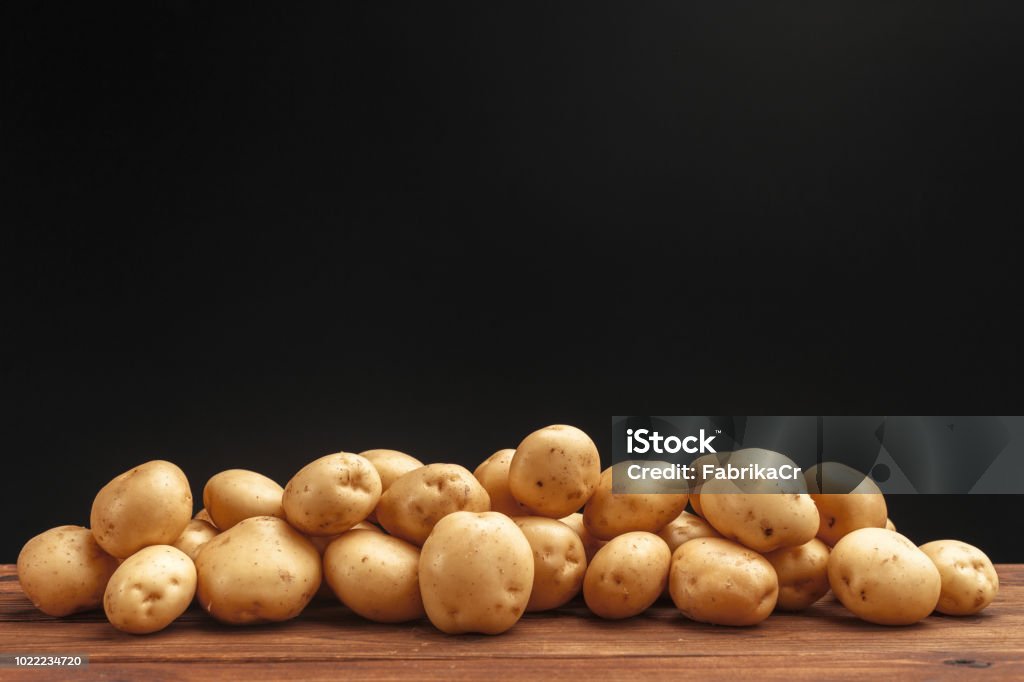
(825, 641)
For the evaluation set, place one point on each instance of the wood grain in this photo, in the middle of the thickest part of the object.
(328, 641)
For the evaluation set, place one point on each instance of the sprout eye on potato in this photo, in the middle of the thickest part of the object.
(529, 530)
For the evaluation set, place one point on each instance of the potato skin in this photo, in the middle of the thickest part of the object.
(555, 471)
(421, 498)
(331, 494)
(64, 570)
(150, 590)
(846, 499)
(258, 571)
(684, 528)
(969, 580)
(590, 543)
(476, 573)
(196, 534)
(627, 575)
(608, 514)
(714, 580)
(493, 476)
(238, 494)
(802, 573)
(559, 561)
(390, 465)
(883, 578)
(147, 505)
(761, 521)
(375, 575)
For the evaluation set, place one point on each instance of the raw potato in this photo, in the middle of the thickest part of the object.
(148, 505)
(150, 589)
(590, 543)
(258, 571)
(846, 500)
(476, 573)
(196, 534)
(390, 465)
(419, 499)
(559, 561)
(698, 467)
(883, 578)
(763, 515)
(238, 494)
(684, 528)
(203, 515)
(331, 494)
(493, 476)
(555, 471)
(969, 580)
(627, 575)
(714, 580)
(375, 575)
(610, 513)
(64, 570)
(802, 573)
(889, 525)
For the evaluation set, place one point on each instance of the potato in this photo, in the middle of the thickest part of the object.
(590, 543)
(237, 494)
(846, 500)
(419, 499)
(331, 494)
(610, 512)
(714, 580)
(684, 528)
(64, 570)
(969, 580)
(150, 589)
(195, 535)
(559, 561)
(555, 471)
(762, 515)
(493, 476)
(889, 525)
(476, 573)
(802, 573)
(883, 578)
(627, 575)
(375, 575)
(148, 505)
(390, 465)
(260, 570)
(203, 515)
(322, 541)
(698, 467)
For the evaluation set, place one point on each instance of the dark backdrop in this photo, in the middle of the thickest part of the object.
(242, 236)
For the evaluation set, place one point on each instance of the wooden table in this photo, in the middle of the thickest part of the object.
(329, 642)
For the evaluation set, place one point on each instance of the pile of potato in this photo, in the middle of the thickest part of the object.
(394, 540)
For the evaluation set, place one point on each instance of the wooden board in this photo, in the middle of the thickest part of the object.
(329, 642)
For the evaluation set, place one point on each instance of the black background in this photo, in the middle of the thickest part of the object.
(242, 236)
